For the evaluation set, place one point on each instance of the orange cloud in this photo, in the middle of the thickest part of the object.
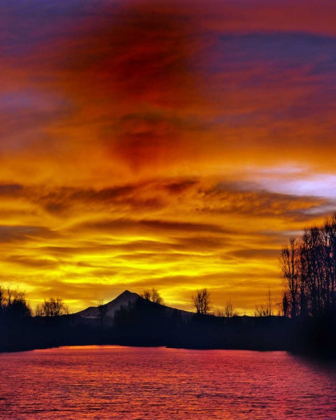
(158, 143)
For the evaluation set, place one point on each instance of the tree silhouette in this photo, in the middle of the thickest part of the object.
(264, 310)
(52, 308)
(13, 304)
(261, 310)
(153, 296)
(285, 305)
(201, 301)
(229, 310)
(290, 272)
(2, 300)
(308, 265)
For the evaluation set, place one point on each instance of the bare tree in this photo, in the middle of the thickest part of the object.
(2, 300)
(265, 310)
(201, 301)
(39, 310)
(229, 310)
(52, 308)
(9, 297)
(285, 305)
(289, 268)
(269, 303)
(156, 297)
(152, 295)
(308, 266)
(261, 310)
(146, 294)
(13, 303)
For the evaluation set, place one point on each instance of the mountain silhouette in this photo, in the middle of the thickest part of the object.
(125, 299)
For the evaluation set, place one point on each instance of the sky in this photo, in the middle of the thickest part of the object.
(167, 144)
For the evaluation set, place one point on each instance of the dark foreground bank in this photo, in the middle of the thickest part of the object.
(146, 324)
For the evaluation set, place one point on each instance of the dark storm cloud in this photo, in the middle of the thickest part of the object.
(10, 190)
(119, 225)
(25, 233)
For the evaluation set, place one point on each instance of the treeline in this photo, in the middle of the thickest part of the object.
(13, 304)
(145, 322)
(308, 266)
(21, 328)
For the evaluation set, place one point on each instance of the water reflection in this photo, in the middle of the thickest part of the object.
(112, 382)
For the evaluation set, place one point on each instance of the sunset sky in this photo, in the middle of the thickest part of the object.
(167, 144)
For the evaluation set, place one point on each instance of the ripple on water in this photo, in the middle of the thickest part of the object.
(112, 382)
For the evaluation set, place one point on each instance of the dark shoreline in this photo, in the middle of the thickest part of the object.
(316, 339)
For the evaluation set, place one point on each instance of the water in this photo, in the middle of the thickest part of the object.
(112, 382)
